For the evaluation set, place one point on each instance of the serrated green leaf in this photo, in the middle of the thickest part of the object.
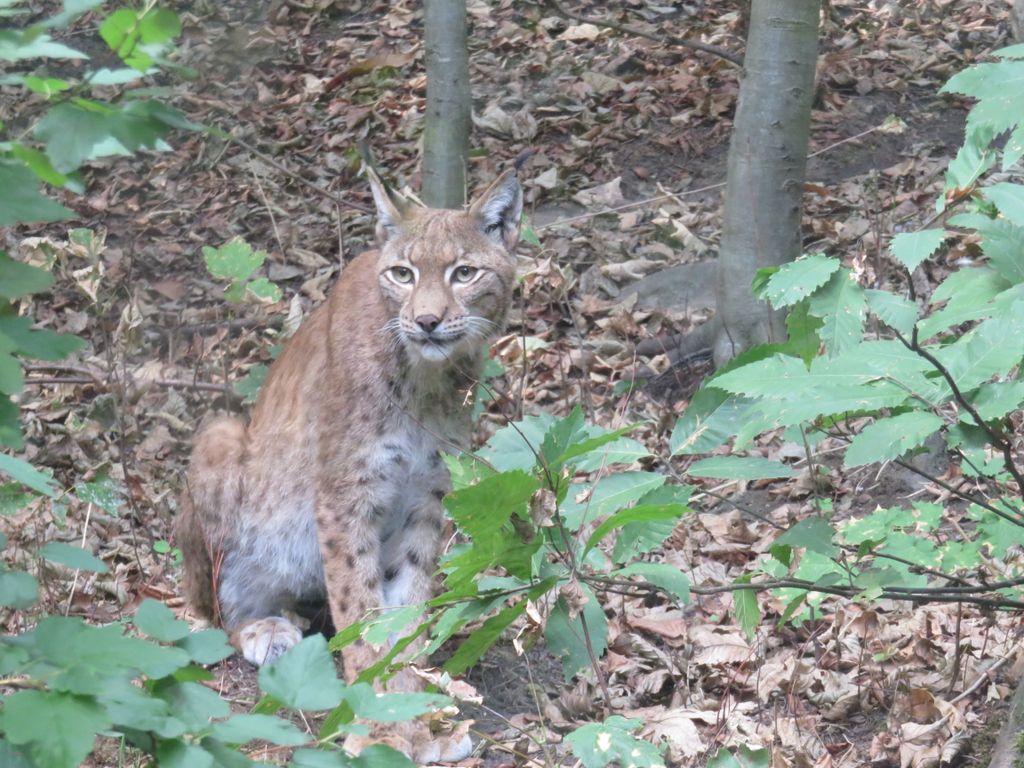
(180, 754)
(483, 509)
(473, 647)
(263, 290)
(740, 468)
(798, 279)
(663, 575)
(235, 260)
(911, 248)
(991, 349)
(13, 499)
(711, 419)
(891, 437)
(193, 704)
(73, 557)
(304, 677)
(967, 294)
(895, 311)
(610, 494)
(46, 86)
(841, 307)
(643, 513)
(374, 756)
(564, 633)
(998, 398)
(1001, 243)
(599, 745)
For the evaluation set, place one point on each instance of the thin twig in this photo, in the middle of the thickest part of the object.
(78, 571)
(297, 177)
(666, 40)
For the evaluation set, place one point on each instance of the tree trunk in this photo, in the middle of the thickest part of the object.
(446, 132)
(765, 175)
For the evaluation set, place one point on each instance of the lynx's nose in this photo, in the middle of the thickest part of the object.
(428, 322)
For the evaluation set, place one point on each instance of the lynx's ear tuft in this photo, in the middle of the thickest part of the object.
(498, 210)
(392, 208)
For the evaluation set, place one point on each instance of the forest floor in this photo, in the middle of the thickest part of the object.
(616, 119)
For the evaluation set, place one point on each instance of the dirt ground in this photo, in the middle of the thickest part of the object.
(297, 86)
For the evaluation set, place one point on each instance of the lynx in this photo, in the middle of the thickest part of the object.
(332, 493)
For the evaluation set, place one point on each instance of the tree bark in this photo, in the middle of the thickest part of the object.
(446, 131)
(765, 174)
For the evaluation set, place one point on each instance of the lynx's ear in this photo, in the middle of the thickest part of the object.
(392, 208)
(498, 210)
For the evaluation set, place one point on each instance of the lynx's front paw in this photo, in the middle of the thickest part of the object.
(263, 640)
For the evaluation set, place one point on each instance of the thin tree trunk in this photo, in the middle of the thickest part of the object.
(765, 175)
(446, 131)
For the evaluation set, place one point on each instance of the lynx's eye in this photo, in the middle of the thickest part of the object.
(464, 274)
(402, 275)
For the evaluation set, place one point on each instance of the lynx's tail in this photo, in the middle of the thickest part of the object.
(208, 510)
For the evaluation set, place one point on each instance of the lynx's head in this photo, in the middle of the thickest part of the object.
(447, 276)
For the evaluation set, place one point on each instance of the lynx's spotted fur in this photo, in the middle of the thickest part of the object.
(332, 493)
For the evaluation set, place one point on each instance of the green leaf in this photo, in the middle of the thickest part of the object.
(39, 344)
(304, 677)
(20, 202)
(841, 306)
(241, 729)
(991, 349)
(157, 620)
(798, 279)
(121, 31)
(474, 646)
(264, 290)
(17, 279)
(13, 499)
(1001, 242)
(27, 475)
(179, 754)
(996, 399)
(911, 248)
(160, 25)
(599, 745)
(17, 589)
(235, 260)
(643, 513)
(31, 44)
(803, 329)
(46, 86)
(102, 492)
(374, 756)
(249, 385)
(891, 437)
(73, 557)
(207, 646)
(967, 294)
(40, 165)
(59, 729)
(748, 613)
(893, 310)
(712, 418)
(483, 509)
(812, 533)
(195, 705)
(391, 707)
(740, 468)
(564, 634)
(744, 757)
(663, 575)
